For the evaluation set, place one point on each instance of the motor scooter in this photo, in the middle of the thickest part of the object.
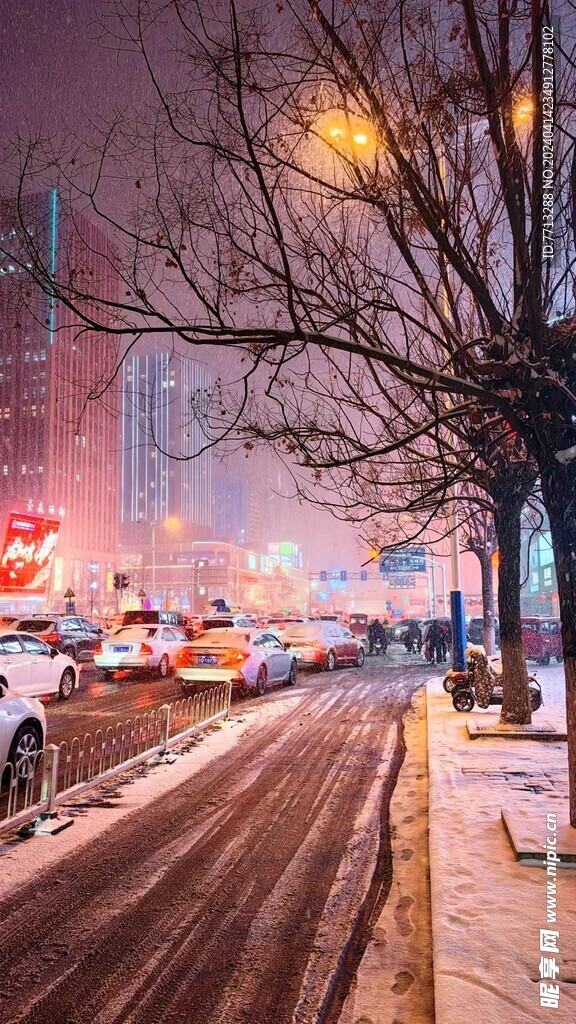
(482, 684)
(378, 646)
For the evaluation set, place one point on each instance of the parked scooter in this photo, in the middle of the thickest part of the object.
(481, 684)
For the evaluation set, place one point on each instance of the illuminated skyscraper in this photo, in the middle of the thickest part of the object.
(160, 480)
(58, 451)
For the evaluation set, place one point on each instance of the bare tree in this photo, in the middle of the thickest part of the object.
(355, 179)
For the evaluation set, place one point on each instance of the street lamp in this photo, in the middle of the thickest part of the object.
(349, 134)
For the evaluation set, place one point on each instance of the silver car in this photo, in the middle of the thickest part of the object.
(249, 659)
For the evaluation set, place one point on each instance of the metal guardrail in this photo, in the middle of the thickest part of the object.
(37, 784)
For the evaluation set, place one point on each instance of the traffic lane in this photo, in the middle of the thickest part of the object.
(240, 885)
(100, 703)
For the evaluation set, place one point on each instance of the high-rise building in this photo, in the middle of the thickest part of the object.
(58, 449)
(165, 487)
(164, 474)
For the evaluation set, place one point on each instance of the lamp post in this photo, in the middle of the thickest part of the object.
(437, 565)
(153, 562)
(356, 137)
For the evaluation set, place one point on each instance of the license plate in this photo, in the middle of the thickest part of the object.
(202, 660)
(120, 650)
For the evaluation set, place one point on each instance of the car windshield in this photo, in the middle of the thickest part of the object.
(224, 638)
(35, 625)
(135, 633)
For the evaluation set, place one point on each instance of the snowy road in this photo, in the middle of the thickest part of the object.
(232, 897)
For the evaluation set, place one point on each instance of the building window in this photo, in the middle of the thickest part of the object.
(40, 469)
(26, 357)
(5, 470)
(23, 470)
(42, 354)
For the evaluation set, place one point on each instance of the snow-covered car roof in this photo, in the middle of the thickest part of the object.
(235, 636)
(308, 628)
(140, 632)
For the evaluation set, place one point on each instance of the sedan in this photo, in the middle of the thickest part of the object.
(249, 659)
(22, 730)
(71, 634)
(30, 667)
(323, 644)
(136, 648)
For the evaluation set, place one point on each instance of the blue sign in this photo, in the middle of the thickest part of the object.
(402, 582)
(411, 559)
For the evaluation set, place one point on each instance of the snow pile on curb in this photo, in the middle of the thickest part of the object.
(487, 910)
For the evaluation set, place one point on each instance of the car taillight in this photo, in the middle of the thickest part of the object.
(146, 649)
(98, 649)
(52, 638)
(234, 659)
(184, 656)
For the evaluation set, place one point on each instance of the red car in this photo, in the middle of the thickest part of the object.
(542, 639)
(323, 644)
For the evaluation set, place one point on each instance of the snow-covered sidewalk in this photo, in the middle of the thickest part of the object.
(488, 910)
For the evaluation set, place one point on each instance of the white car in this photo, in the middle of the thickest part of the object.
(140, 647)
(250, 659)
(22, 729)
(32, 668)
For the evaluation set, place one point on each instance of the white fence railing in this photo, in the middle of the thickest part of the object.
(37, 784)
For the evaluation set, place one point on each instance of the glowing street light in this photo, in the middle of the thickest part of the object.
(523, 111)
(348, 133)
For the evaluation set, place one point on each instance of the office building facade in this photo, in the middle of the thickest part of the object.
(58, 443)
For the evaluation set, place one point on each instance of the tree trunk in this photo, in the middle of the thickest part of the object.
(559, 494)
(488, 638)
(507, 520)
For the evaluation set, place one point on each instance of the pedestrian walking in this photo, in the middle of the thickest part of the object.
(436, 643)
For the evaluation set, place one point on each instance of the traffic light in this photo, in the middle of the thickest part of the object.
(117, 578)
(323, 576)
(363, 575)
(343, 576)
(125, 581)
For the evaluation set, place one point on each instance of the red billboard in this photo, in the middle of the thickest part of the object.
(27, 554)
